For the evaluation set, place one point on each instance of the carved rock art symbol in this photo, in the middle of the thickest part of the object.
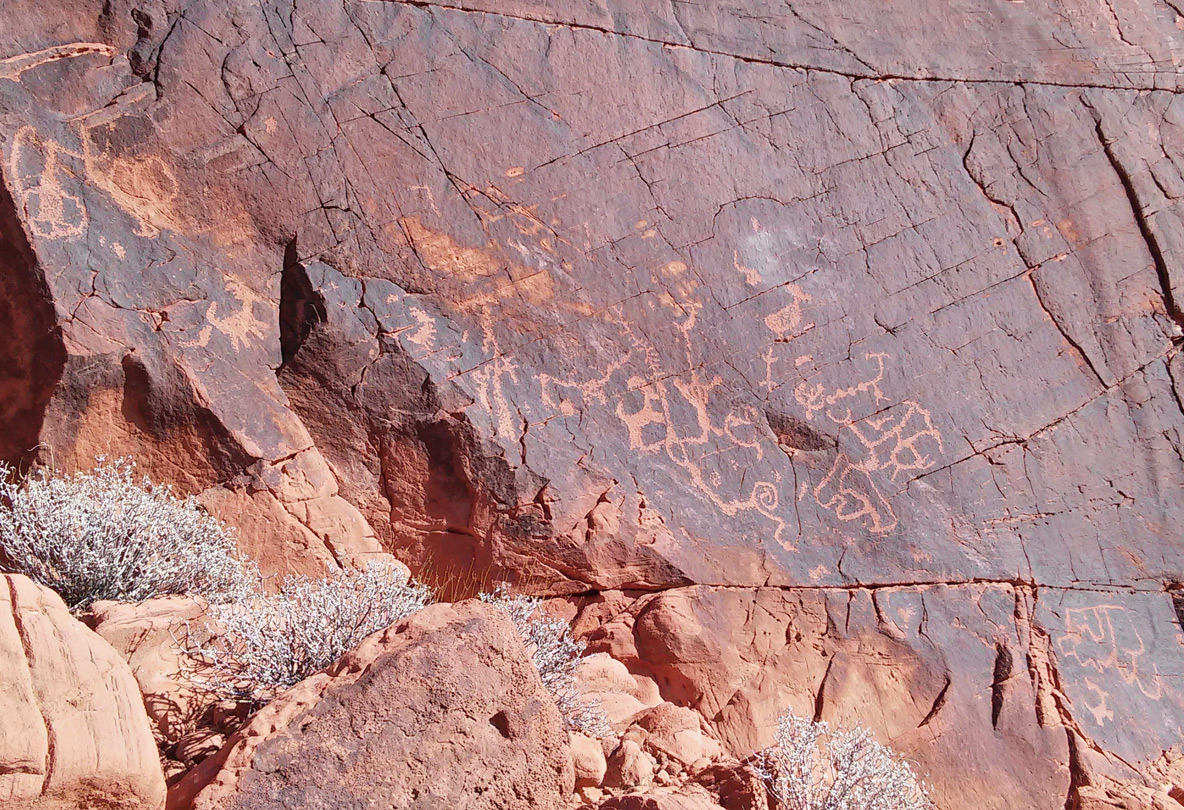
(245, 319)
(1099, 708)
(848, 491)
(144, 186)
(39, 178)
(814, 398)
(12, 67)
(786, 323)
(751, 275)
(896, 440)
(1104, 638)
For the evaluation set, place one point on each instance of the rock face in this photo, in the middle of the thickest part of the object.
(442, 710)
(74, 732)
(1017, 694)
(821, 306)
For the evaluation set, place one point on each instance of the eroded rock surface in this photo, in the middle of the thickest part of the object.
(150, 636)
(441, 710)
(1027, 695)
(74, 732)
(188, 722)
(811, 303)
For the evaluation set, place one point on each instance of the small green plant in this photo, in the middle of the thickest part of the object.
(272, 641)
(104, 535)
(812, 767)
(556, 655)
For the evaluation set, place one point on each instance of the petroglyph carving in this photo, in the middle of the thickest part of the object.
(12, 67)
(493, 285)
(424, 334)
(43, 172)
(814, 398)
(786, 323)
(672, 417)
(1098, 708)
(491, 379)
(144, 186)
(751, 275)
(41, 180)
(249, 322)
(1105, 639)
(849, 492)
(898, 439)
(679, 294)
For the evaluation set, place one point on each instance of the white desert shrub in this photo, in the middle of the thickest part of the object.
(813, 767)
(272, 641)
(105, 535)
(556, 655)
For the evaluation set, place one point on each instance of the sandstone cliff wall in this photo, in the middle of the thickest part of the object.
(853, 326)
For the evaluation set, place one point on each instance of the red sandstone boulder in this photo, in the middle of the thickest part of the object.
(677, 738)
(149, 636)
(73, 731)
(442, 710)
(691, 797)
(188, 722)
(588, 760)
(620, 693)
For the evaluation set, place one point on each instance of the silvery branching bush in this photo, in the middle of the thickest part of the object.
(556, 655)
(272, 641)
(105, 535)
(812, 767)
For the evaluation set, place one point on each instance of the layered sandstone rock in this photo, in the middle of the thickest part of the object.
(188, 722)
(74, 733)
(817, 306)
(149, 636)
(1027, 695)
(443, 709)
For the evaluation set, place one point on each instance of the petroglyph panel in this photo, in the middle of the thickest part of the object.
(809, 324)
(1121, 662)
